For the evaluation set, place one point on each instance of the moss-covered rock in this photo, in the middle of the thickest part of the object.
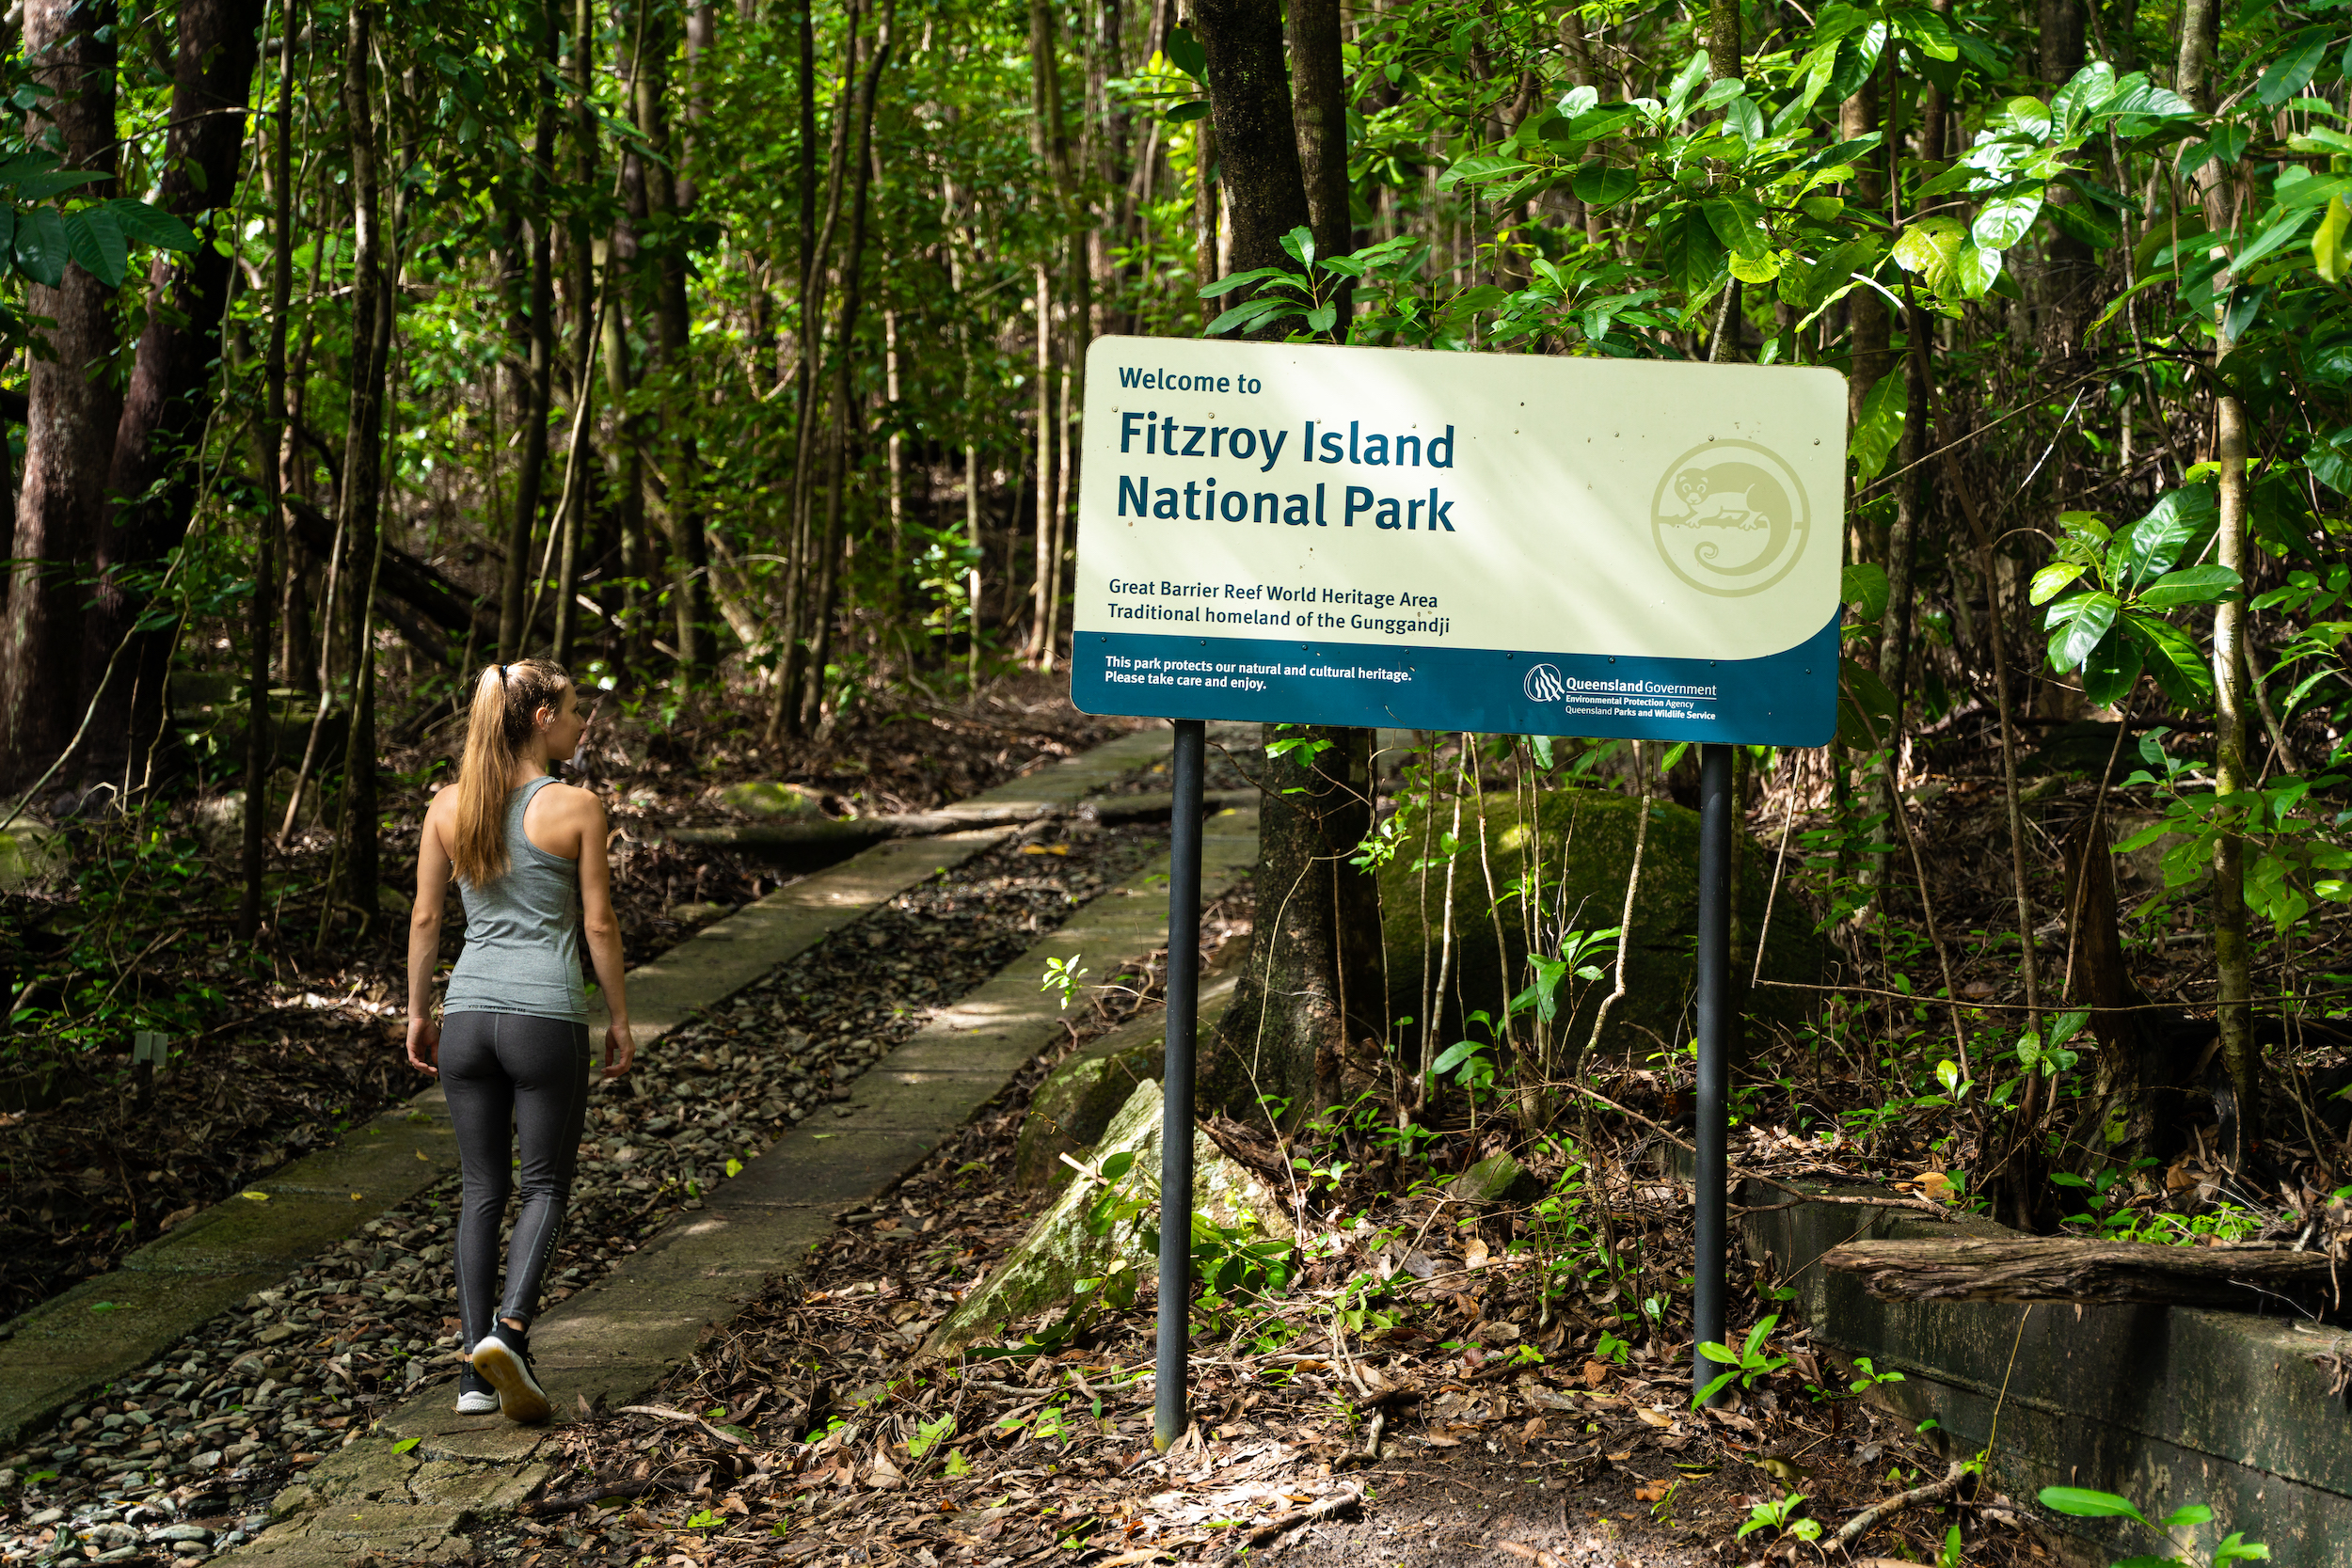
(1586, 843)
(1044, 1269)
(1074, 1104)
(1497, 1179)
(31, 855)
(767, 798)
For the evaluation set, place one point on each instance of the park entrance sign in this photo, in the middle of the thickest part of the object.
(1514, 544)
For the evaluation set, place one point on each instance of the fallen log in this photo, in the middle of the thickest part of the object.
(433, 597)
(2076, 1269)
(755, 837)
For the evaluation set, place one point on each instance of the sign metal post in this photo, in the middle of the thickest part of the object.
(1714, 1028)
(1510, 543)
(1182, 1021)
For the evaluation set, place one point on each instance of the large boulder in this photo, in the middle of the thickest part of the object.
(1044, 1267)
(1073, 1106)
(1583, 853)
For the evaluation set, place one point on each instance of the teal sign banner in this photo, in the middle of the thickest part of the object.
(1513, 544)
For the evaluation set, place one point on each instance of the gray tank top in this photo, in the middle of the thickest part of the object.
(522, 931)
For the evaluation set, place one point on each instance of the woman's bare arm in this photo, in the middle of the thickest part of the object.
(602, 931)
(425, 938)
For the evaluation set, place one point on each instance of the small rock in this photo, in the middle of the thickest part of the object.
(276, 1334)
(698, 915)
(180, 1533)
(1497, 1179)
(45, 1518)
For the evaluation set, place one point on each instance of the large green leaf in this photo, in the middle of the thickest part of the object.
(1604, 184)
(1863, 585)
(2077, 624)
(2291, 72)
(1865, 708)
(1693, 255)
(40, 253)
(96, 242)
(1739, 223)
(2004, 219)
(2147, 549)
(2086, 1504)
(1929, 249)
(1479, 168)
(2191, 585)
(1881, 425)
(2111, 669)
(152, 225)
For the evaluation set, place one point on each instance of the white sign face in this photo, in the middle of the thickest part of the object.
(1507, 542)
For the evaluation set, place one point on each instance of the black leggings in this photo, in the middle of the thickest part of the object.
(497, 1070)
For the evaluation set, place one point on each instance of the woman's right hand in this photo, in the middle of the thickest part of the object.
(620, 1050)
(424, 1043)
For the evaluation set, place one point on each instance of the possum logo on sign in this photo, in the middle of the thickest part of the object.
(1729, 518)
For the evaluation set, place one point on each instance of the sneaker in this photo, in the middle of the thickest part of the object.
(475, 1397)
(503, 1356)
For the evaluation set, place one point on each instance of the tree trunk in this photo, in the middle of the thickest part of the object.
(539, 348)
(357, 507)
(682, 508)
(1040, 582)
(260, 745)
(2070, 282)
(158, 440)
(584, 312)
(70, 411)
(1319, 105)
(1257, 140)
(2241, 1058)
(1314, 984)
(845, 407)
(1722, 39)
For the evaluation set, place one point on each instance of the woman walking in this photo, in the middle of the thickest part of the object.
(512, 1048)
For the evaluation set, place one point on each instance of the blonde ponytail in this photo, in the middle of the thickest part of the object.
(507, 703)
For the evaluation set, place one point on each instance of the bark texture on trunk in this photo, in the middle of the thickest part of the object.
(1257, 139)
(537, 345)
(356, 506)
(844, 407)
(1319, 103)
(71, 414)
(160, 433)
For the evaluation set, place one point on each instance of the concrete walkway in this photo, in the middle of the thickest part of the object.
(618, 1340)
(110, 1324)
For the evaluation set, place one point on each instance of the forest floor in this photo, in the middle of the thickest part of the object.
(1464, 1419)
(294, 1044)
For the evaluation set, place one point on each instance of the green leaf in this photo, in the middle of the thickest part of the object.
(2191, 585)
(1694, 254)
(1865, 708)
(1924, 31)
(2004, 219)
(1740, 223)
(97, 243)
(2051, 580)
(152, 225)
(1929, 248)
(40, 253)
(1185, 54)
(2273, 237)
(2110, 670)
(1743, 119)
(2086, 619)
(1686, 83)
(1479, 168)
(2150, 545)
(1864, 586)
(2290, 74)
(1883, 407)
(405, 1444)
(2173, 659)
(48, 182)
(2327, 247)
(1604, 184)
(1975, 270)
(2083, 1503)
(2313, 192)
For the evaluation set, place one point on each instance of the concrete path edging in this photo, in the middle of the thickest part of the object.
(424, 1474)
(97, 1330)
(2168, 1406)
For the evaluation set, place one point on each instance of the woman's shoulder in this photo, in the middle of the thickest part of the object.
(569, 799)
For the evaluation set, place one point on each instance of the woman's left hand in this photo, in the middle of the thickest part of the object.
(424, 1043)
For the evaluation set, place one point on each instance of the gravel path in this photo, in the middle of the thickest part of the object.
(177, 1462)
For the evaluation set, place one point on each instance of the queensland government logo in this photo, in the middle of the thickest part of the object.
(1543, 685)
(1729, 518)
